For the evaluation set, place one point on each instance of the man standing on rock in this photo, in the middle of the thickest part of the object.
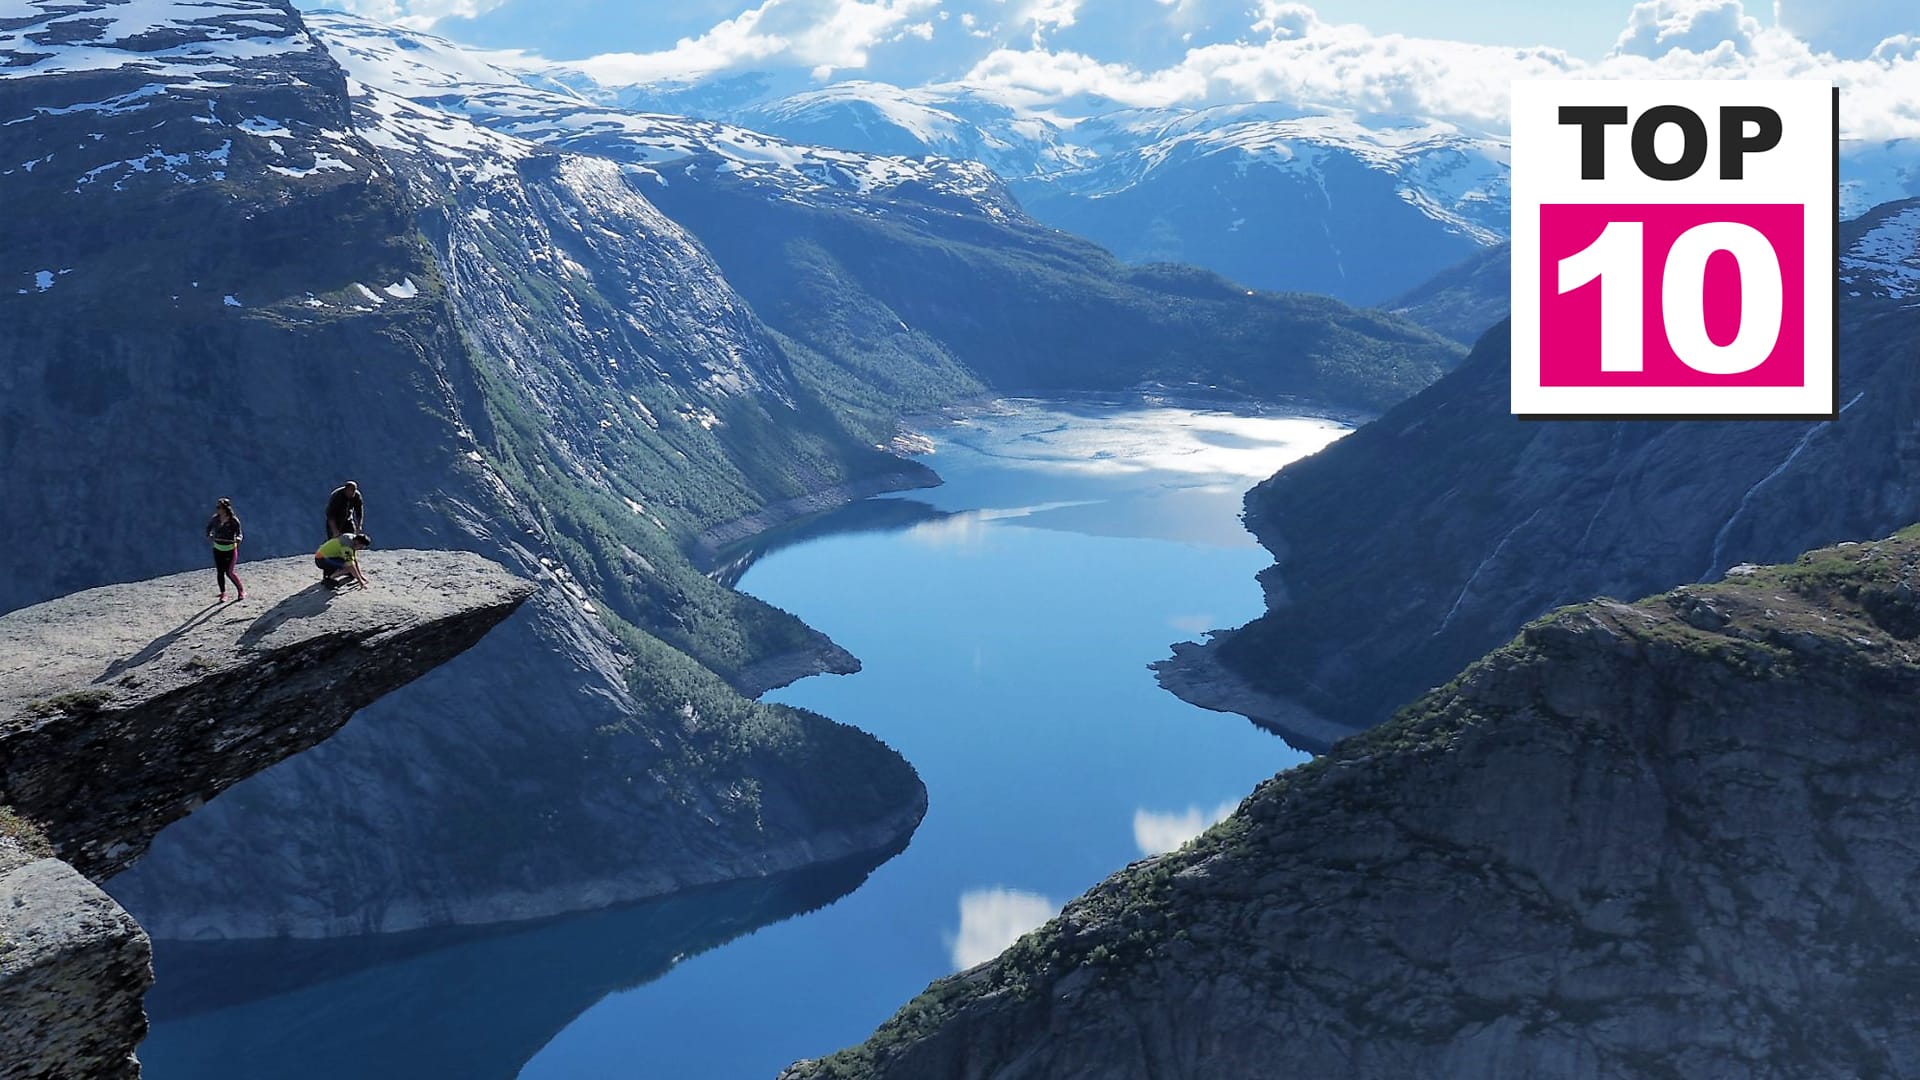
(346, 512)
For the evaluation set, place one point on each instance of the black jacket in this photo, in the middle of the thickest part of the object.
(223, 532)
(347, 509)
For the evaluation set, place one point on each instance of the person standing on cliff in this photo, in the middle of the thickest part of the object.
(223, 532)
(346, 511)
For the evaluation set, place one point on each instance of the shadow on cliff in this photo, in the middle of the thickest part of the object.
(159, 645)
(304, 604)
(477, 1004)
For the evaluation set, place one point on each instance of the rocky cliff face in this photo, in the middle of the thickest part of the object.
(241, 272)
(124, 708)
(1429, 535)
(903, 282)
(1662, 839)
(73, 968)
(127, 707)
(228, 283)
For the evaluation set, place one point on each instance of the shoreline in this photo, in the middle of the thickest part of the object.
(1195, 675)
(508, 909)
(706, 546)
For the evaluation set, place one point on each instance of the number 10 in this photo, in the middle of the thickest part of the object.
(1618, 259)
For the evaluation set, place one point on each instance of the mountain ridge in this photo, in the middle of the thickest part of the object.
(256, 309)
(1475, 522)
(1674, 874)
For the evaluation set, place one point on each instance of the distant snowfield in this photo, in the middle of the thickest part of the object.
(134, 56)
(1889, 255)
(214, 38)
(435, 97)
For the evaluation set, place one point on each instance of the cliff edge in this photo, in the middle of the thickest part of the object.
(124, 708)
(1651, 840)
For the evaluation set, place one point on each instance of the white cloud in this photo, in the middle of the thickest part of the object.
(1280, 51)
(1312, 64)
(1848, 29)
(1194, 625)
(824, 36)
(1284, 20)
(1155, 832)
(1658, 27)
(992, 919)
(1049, 14)
(1896, 48)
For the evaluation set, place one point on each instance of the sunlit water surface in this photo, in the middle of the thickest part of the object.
(1005, 621)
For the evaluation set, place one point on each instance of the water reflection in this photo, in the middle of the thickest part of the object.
(1156, 832)
(1009, 668)
(731, 563)
(1113, 469)
(1128, 440)
(393, 998)
(992, 919)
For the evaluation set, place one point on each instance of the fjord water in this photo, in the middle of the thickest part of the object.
(1005, 621)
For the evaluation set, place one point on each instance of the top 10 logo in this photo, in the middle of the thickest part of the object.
(1673, 249)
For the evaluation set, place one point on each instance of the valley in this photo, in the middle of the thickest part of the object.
(1003, 627)
(859, 449)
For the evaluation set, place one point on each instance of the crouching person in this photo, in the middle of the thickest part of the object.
(339, 560)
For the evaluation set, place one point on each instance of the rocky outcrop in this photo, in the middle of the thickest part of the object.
(125, 708)
(122, 709)
(1431, 534)
(1194, 674)
(1652, 840)
(74, 967)
(234, 275)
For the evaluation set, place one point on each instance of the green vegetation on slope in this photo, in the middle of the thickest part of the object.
(1024, 308)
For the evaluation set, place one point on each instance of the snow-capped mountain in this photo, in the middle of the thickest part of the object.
(210, 91)
(954, 122)
(1876, 173)
(1881, 256)
(1361, 211)
(446, 78)
(1359, 207)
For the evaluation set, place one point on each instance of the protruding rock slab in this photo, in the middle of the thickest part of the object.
(124, 708)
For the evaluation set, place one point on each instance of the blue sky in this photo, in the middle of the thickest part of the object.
(1401, 57)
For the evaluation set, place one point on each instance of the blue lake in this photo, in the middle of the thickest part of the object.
(1005, 621)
